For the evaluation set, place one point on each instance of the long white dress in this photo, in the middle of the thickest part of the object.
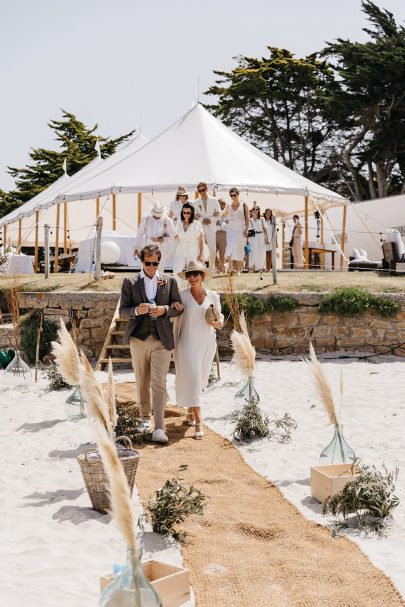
(195, 348)
(235, 240)
(257, 256)
(188, 245)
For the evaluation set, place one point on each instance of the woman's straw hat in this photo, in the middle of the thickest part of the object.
(195, 266)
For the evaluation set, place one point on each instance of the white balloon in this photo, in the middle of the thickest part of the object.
(110, 252)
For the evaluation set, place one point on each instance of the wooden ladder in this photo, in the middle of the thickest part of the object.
(111, 345)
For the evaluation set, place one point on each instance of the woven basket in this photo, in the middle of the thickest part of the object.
(96, 479)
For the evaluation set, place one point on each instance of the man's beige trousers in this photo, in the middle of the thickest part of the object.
(151, 362)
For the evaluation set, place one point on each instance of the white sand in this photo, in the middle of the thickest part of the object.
(53, 547)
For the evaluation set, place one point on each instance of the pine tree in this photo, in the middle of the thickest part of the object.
(77, 145)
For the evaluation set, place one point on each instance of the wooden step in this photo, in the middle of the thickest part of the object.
(118, 333)
(117, 347)
(105, 361)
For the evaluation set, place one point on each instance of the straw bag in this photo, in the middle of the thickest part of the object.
(95, 477)
(211, 315)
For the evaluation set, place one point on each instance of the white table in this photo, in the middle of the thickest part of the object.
(17, 264)
(86, 257)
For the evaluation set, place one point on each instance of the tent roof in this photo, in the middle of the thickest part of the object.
(50, 195)
(197, 147)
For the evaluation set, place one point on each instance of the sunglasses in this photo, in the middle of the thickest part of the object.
(202, 190)
(194, 273)
(151, 263)
(233, 195)
(186, 212)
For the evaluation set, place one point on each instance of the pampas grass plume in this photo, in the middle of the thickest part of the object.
(244, 353)
(66, 356)
(322, 386)
(96, 407)
(110, 395)
(120, 495)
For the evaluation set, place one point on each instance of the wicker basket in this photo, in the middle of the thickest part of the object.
(95, 477)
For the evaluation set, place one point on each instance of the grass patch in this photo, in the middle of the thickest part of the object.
(352, 301)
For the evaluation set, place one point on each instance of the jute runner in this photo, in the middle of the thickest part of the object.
(252, 548)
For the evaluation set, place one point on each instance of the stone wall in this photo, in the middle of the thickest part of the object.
(6, 337)
(276, 333)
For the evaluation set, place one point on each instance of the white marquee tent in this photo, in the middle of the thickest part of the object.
(196, 147)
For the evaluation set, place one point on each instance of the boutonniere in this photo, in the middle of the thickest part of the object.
(162, 282)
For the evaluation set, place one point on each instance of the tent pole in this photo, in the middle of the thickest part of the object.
(55, 263)
(64, 228)
(114, 212)
(306, 235)
(19, 235)
(97, 207)
(282, 243)
(342, 242)
(322, 244)
(36, 241)
(139, 207)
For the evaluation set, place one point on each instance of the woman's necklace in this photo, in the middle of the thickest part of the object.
(199, 297)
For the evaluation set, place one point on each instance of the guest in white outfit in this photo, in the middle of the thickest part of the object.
(271, 233)
(189, 238)
(222, 225)
(257, 255)
(207, 210)
(155, 228)
(174, 214)
(196, 342)
(237, 216)
(296, 243)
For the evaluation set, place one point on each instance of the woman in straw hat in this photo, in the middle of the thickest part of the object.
(196, 341)
(176, 206)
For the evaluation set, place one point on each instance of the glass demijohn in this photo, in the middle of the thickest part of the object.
(338, 451)
(247, 393)
(74, 405)
(130, 588)
(17, 371)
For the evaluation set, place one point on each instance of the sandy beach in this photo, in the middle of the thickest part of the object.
(53, 547)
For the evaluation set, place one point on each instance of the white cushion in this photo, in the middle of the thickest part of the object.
(395, 236)
(363, 254)
(356, 254)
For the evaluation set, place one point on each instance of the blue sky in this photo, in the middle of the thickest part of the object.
(112, 61)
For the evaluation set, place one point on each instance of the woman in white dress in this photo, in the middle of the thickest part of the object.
(189, 238)
(271, 232)
(237, 215)
(196, 342)
(174, 214)
(257, 255)
(296, 243)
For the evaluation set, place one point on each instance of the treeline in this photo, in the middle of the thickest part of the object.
(336, 117)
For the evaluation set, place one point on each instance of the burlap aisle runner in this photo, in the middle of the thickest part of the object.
(252, 548)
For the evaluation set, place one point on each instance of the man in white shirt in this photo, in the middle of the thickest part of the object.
(207, 212)
(155, 228)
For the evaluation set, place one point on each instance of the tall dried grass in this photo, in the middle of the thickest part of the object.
(322, 386)
(13, 297)
(96, 406)
(66, 356)
(244, 353)
(232, 301)
(111, 395)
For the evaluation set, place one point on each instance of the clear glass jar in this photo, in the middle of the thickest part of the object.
(17, 371)
(74, 405)
(338, 451)
(130, 588)
(247, 393)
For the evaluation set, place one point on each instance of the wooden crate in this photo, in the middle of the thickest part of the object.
(328, 480)
(171, 583)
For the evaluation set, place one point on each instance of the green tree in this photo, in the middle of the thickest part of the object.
(369, 105)
(277, 103)
(77, 146)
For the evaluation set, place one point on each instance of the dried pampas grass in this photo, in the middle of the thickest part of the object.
(322, 386)
(96, 407)
(232, 302)
(244, 353)
(13, 295)
(120, 495)
(66, 356)
(110, 395)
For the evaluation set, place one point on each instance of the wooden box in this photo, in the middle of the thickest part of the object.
(328, 480)
(171, 583)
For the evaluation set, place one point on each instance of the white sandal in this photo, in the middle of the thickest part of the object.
(198, 434)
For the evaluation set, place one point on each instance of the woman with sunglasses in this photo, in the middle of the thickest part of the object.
(189, 239)
(271, 233)
(257, 255)
(237, 214)
(196, 341)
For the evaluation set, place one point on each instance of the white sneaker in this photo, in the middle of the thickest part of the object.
(159, 436)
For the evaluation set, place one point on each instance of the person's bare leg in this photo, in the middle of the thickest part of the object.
(190, 416)
(199, 433)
